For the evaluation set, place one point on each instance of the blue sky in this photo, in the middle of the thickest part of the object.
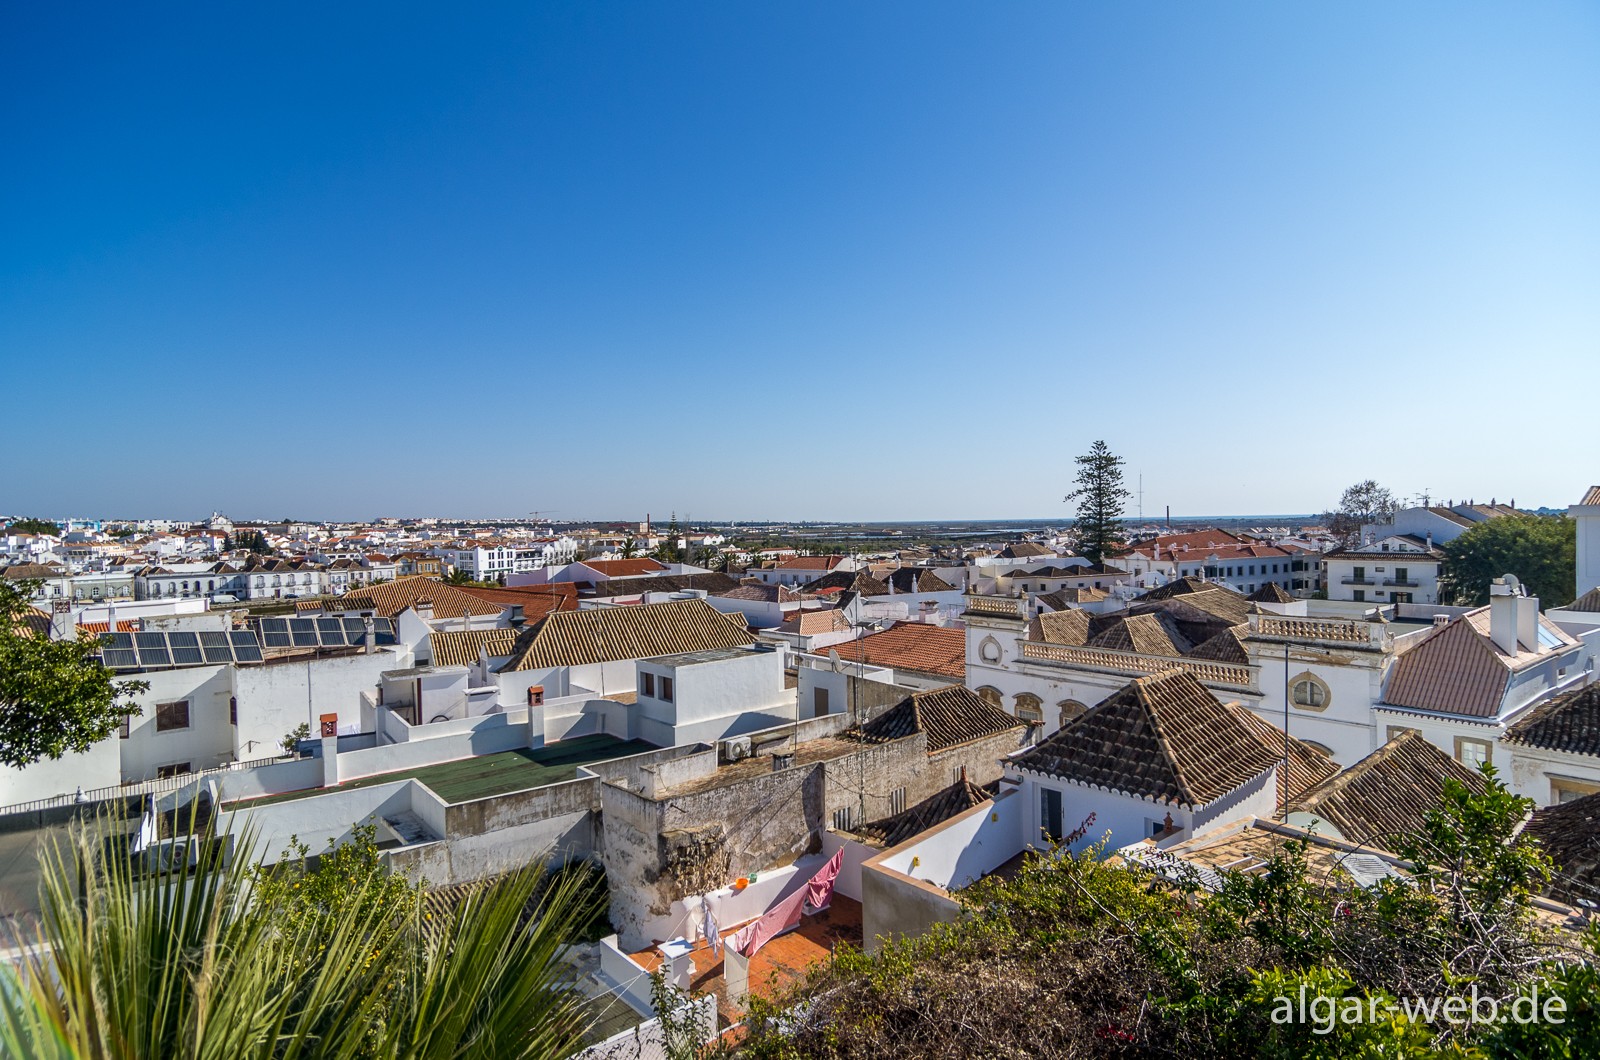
(794, 260)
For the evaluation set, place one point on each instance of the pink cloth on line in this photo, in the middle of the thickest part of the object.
(819, 891)
(775, 921)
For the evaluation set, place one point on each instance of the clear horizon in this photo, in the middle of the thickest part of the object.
(811, 261)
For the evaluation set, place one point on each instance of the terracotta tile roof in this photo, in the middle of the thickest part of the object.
(911, 646)
(1589, 601)
(1063, 599)
(611, 634)
(623, 568)
(1570, 833)
(1200, 541)
(390, 598)
(1152, 634)
(1459, 669)
(1214, 603)
(535, 601)
(30, 572)
(1061, 627)
(811, 623)
(1025, 550)
(460, 647)
(1308, 766)
(1162, 737)
(32, 622)
(950, 716)
(1271, 593)
(664, 583)
(1180, 587)
(938, 808)
(1387, 793)
(810, 563)
(1567, 722)
(917, 580)
(1592, 497)
(1227, 646)
(759, 592)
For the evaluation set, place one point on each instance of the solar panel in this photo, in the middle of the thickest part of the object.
(277, 640)
(213, 639)
(120, 658)
(274, 625)
(247, 652)
(302, 625)
(243, 638)
(183, 640)
(154, 655)
(219, 653)
(118, 640)
(305, 638)
(333, 626)
(150, 641)
(186, 656)
(354, 627)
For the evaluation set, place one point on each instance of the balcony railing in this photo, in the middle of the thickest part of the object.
(1005, 606)
(1133, 663)
(1338, 630)
(1404, 583)
(1357, 581)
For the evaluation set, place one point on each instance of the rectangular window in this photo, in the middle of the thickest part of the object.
(897, 801)
(1050, 814)
(233, 709)
(1400, 576)
(1358, 573)
(174, 715)
(819, 702)
(1562, 790)
(666, 689)
(176, 769)
(1397, 730)
(647, 685)
(125, 727)
(1472, 753)
(1359, 595)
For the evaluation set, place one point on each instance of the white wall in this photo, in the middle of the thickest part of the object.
(962, 849)
(277, 697)
(98, 767)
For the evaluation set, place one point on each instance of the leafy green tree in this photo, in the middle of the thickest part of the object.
(1365, 502)
(55, 697)
(1101, 499)
(1541, 550)
(338, 961)
(630, 547)
(33, 526)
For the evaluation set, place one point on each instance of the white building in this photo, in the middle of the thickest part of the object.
(1587, 514)
(1397, 569)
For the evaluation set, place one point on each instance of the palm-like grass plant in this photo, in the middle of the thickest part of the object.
(203, 958)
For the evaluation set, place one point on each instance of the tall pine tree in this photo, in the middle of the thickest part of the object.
(1100, 498)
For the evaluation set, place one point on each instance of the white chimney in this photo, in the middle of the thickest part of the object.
(1440, 620)
(1504, 596)
(424, 609)
(372, 636)
(1528, 622)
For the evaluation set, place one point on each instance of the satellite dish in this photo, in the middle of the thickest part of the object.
(833, 657)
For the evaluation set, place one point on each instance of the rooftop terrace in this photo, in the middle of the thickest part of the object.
(482, 776)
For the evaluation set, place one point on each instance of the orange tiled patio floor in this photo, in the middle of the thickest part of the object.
(781, 961)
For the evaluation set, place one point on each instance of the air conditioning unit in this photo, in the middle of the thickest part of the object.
(733, 750)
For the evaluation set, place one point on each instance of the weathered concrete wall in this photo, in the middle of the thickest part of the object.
(656, 852)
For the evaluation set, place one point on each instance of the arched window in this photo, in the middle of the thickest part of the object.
(1321, 749)
(1309, 692)
(989, 650)
(1071, 710)
(1029, 706)
(990, 695)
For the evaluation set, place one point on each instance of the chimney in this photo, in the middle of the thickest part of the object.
(1430, 540)
(1528, 621)
(424, 609)
(1504, 596)
(1440, 620)
(372, 636)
